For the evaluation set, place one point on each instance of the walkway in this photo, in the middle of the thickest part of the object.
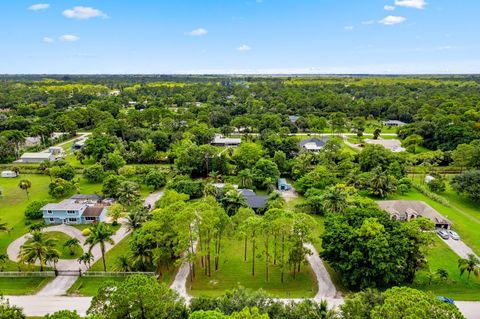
(326, 288)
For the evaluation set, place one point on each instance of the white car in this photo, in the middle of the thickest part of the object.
(453, 235)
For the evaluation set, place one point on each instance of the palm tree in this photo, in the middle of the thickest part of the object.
(210, 190)
(334, 200)
(128, 193)
(442, 274)
(17, 138)
(136, 218)
(86, 259)
(380, 183)
(25, 184)
(232, 201)
(39, 247)
(3, 227)
(245, 178)
(122, 263)
(53, 255)
(100, 234)
(469, 264)
(72, 244)
(3, 260)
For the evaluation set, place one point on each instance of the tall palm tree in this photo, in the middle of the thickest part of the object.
(442, 274)
(232, 201)
(86, 259)
(25, 184)
(17, 138)
(334, 200)
(123, 264)
(137, 217)
(100, 234)
(39, 247)
(380, 183)
(245, 178)
(469, 264)
(53, 255)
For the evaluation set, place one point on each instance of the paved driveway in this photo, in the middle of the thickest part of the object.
(459, 247)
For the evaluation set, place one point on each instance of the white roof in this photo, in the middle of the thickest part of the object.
(218, 139)
(36, 155)
(66, 204)
(392, 144)
(311, 146)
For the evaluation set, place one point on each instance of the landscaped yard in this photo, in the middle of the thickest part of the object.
(64, 251)
(456, 286)
(234, 272)
(14, 201)
(88, 286)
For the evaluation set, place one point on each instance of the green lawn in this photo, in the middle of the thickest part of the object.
(61, 239)
(456, 287)
(14, 201)
(233, 271)
(88, 286)
(21, 285)
(463, 214)
(120, 249)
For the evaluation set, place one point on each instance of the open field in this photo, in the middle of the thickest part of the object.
(233, 271)
(456, 286)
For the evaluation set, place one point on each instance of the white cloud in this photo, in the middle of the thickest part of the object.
(83, 13)
(47, 40)
(348, 28)
(244, 48)
(68, 38)
(368, 22)
(418, 4)
(197, 32)
(39, 7)
(391, 20)
(389, 8)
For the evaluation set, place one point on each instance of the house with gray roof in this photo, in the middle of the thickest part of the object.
(394, 123)
(220, 140)
(254, 201)
(313, 144)
(407, 210)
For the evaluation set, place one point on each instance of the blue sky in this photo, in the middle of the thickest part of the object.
(240, 36)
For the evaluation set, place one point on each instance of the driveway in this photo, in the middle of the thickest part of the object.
(459, 247)
(326, 288)
(151, 199)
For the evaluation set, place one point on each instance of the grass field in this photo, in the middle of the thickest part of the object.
(233, 271)
(22, 286)
(88, 286)
(456, 287)
(464, 215)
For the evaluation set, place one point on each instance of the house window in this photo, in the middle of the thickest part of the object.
(73, 220)
(90, 219)
(51, 219)
(70, 212)
(49, 212)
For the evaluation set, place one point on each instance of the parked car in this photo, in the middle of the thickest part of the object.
(446, 300)
(453, 235)
(443, 233)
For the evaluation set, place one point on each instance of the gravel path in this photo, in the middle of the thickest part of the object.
(326, 288)
(180, 282)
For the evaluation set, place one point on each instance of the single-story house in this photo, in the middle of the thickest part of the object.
(220, 140)
(313, 144)
(393, 123)
(282, 185)
(407, 210)
(253, 200)
(36, 158)
(79, 209)
(9, 174)
(33, 141)
(293, 118)
(391, 144)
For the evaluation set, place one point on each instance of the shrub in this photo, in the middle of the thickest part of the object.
(94, 173)
(33, 209)
(432, 196)
(86, 232)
